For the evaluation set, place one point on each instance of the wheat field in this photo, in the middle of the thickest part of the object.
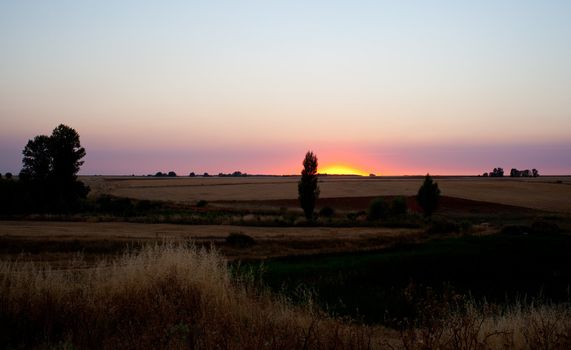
(543, 193)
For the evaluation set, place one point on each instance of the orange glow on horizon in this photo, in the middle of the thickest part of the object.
(342, 170)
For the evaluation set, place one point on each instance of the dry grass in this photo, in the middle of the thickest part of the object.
(173, 297)
(542, 193)
(56, 241)
(530, 327)
(163, 297)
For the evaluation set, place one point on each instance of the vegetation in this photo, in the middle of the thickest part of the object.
(48, 179)
(428, 196)
(377, 209)
(307, 188)
(163, 297)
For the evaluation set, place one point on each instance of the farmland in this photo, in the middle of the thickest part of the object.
(495, 252)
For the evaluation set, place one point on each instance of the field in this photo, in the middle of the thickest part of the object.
(543, 193)
(489, 270)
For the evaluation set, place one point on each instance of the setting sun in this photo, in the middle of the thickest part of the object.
(342, 170)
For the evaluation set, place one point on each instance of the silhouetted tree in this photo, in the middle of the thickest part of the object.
(66, 153)
(307, 188)
(206, 175)
(497, 172)
(534, 172)
(172, 174)
(428, 196)
(192, 174)
(8, 176)
(49, 171)
(38, 159)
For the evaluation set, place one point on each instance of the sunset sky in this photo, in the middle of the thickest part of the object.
(385, 87)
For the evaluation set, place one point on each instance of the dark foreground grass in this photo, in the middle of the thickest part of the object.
(388, 286)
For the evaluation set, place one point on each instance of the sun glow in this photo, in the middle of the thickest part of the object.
(342, 170)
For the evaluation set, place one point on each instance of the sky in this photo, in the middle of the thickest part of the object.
(384, 87)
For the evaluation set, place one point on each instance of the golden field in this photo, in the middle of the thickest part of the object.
(543, 193)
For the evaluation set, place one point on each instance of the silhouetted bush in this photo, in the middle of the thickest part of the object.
(239, 239)
(171, 174)
(378, 209)
(514, 230)
(206, 175)
(544, 227)
(115, 205)
(442, 226)
(8, 176)
(398, 206)
(326, 212)
(144, 206)
(201, 203)
(192, 174)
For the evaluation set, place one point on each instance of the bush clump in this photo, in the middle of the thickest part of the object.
(377, 209)
(239, 239)
(115, 205)
(326, 212)
(398, 206)
(442, 226)
(514, 230)
(544, 228)
(201, 203)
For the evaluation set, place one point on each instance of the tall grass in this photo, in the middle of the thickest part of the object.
(180, 297)
(519, 326)
(163, 296)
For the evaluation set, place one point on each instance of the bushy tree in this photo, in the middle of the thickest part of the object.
(38, 160)
(49, 169)
(428, 196)
(307, 188)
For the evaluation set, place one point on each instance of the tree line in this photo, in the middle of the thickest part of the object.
(499, 172)
(48, 180)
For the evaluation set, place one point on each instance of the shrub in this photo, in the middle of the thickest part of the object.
(442, 226)
(239, 239)
(326, 212)
(8, 176)
(398, 206)
(377, 209)
(115, 205)
(544, 227)
(201, 203)
(515, 230)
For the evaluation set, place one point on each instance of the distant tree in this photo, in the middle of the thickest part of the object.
(515, 173)
(534, 172)
(307, 188)
(8, 176)
(206, 175)
(497, 172)
(526, 173)
(159, 174)
(485, 175)
(237, 173)
(428, 196)
(171, 174)
(192, 174)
